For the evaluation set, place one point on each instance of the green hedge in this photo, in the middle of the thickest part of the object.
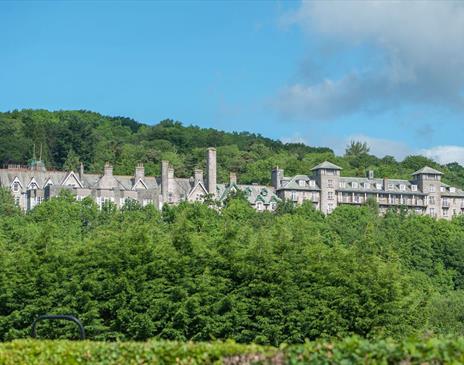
(33, 352)
(352, 350)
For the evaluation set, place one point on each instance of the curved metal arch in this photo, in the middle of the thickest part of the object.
(58, 317)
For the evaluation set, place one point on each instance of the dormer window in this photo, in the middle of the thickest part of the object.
(33, 186)
(342, 184)
(312, 183)
(354, 185)
(302, 183)
(16, 186)
(452, 190)
(259, 206)
(442, 189)
(391, 186)
(402, 187)
(367, 185)
(378, 186)
(413, 187)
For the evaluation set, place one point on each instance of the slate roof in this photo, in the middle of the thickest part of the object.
(326, 165)
(293, 183)
(254, 193)
(427, 170)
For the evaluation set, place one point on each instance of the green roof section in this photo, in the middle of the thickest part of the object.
(326, 165)
(427, 170)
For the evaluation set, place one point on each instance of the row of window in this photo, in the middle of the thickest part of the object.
(260, 206)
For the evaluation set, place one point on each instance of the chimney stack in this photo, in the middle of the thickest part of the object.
(108, 170)
(81, 171)
(276, 177)
(211, 166)
(139, 171)
(164, 180)
(198, 175)
(232, 178)
(370, 175)
(385, 183)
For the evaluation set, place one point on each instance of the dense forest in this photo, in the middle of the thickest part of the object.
(191, 272)
(65, 138)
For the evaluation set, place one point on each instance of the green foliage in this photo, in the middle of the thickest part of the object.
(349, 350)
(70, 137)
(192, 272)
(130, 353)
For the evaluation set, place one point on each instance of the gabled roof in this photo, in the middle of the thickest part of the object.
(326, 165)
(141, 182)
(427, 170)
(200, 185)
(33, 181)
(70, 175)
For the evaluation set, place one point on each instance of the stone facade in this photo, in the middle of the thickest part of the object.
(34, 184)
(425, 193)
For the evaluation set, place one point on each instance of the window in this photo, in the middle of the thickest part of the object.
(16, 186)
(432, 200)
(170, 198)
(354, 185)
(259, 206)
(301, 183)
(378, 186)
(17, 200)
(356, 198)
(342, 185)
(442, 189)
(432, 188)
(294, 196)
(413, 187)
(312, 183)
(402, 187)
(330, 195)
(445, 212)
(273, 206)
(330, 208)
(452, 190)
(367, 185)
(432, 212)
(315, 197)
(330, 184)
(33, 186)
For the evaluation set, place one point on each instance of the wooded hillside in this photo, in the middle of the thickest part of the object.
(68, 137)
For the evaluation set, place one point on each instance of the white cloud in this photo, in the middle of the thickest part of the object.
(445, 154)
(422, 49)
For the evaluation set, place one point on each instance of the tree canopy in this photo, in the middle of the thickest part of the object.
(192, 272)
(69, 137)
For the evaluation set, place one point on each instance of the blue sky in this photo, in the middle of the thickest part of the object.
(323, 73)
